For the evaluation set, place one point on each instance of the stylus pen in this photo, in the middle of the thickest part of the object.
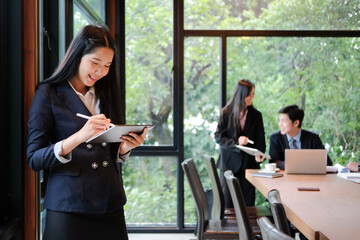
(250, 141)
(87, 117)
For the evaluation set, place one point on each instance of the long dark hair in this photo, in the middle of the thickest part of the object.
(107, 89)
(237, 105)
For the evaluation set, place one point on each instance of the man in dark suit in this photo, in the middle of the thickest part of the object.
(292, 136)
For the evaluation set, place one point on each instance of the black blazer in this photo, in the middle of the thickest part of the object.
(279, 142)
(232, 158)
(75, 186)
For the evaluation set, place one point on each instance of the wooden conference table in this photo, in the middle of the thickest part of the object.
(331, 213)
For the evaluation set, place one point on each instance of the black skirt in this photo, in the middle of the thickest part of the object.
(77, 226)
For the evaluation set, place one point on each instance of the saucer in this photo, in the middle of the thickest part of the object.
(269, 171)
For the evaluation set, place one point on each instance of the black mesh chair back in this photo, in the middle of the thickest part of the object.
(218, 207)
(278, 212)
(198, 194)
(243, 221)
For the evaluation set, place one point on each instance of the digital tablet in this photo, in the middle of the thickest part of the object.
(251, 151)
(113, 134)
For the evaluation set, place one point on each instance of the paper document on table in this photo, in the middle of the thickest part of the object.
(353, 176)
(251, 151)
(355, 180)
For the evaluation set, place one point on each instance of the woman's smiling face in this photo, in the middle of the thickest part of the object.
(92, 68)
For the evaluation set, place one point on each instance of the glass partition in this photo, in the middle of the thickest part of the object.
(272, 14)
(149, 64)
(318, 74)
(201, 107)
(151, 189)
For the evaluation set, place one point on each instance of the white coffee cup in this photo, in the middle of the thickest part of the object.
(270, 166)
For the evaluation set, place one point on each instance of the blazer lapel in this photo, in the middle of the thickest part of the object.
(248, 122)
(68, 96)
(285, 141)
(305, 142)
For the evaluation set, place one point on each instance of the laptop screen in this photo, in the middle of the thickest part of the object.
(305, 161)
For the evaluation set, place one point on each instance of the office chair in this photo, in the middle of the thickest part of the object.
(247, 230)
(270, 232)
(206, 228)
(218, 210)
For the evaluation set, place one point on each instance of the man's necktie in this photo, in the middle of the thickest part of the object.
(293, 144)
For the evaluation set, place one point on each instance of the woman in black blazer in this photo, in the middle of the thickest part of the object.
(84, 193)
(239, 124)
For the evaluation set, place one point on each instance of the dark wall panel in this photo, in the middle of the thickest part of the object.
(11, 120)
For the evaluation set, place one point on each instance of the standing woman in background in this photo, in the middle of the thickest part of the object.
(84, 193)
(239, 124)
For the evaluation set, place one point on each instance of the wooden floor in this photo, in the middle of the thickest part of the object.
(162, 236)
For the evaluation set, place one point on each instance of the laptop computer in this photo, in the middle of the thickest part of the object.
(305, 161)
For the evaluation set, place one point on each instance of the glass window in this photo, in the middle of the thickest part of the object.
(88, 12)
(79, 20)
(149, 63)
(97, 6)
(201, 107)
(151, 189)
(272, 14)
(318, 74)
(201, 97)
